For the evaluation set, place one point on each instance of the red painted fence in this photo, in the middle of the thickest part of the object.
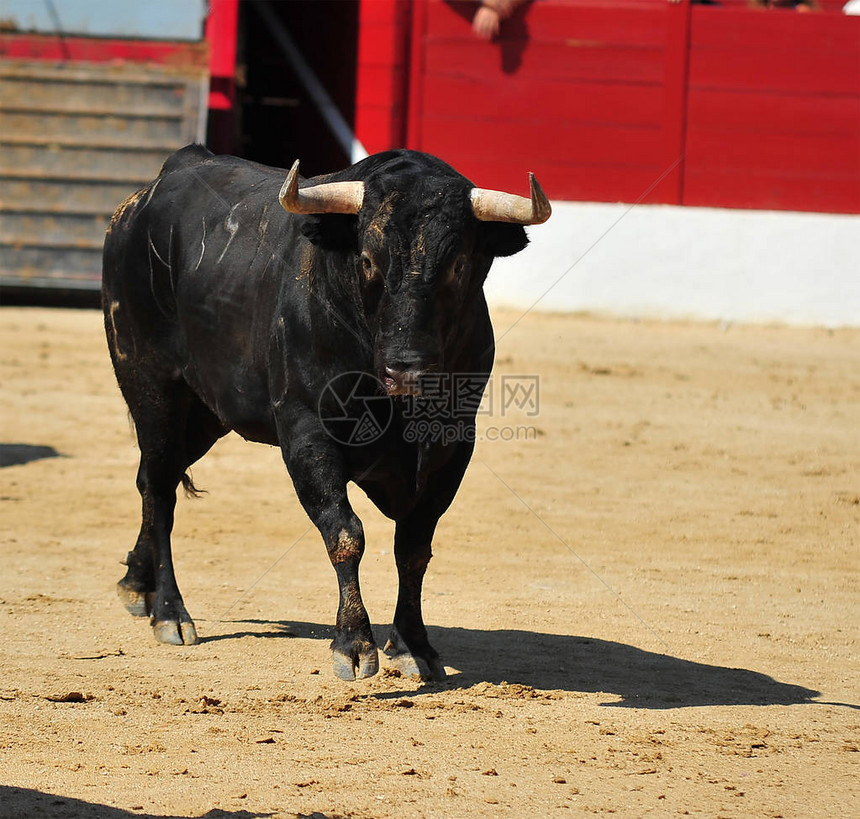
(773, 111)
(625, 100)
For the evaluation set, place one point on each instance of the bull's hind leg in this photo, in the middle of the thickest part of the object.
(174, 429)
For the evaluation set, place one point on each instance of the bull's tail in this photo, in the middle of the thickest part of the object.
(188, 486)
(191, 491)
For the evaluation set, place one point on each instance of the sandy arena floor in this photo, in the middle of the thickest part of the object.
(650, 607)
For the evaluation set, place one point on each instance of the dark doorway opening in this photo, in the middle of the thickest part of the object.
(277, 120)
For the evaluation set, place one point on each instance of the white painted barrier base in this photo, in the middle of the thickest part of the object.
(656, 261)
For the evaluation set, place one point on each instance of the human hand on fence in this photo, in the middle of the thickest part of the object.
(485, 23)
(487, 20)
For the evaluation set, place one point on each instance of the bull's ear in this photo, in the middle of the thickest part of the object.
(501, 239)
(331, 231)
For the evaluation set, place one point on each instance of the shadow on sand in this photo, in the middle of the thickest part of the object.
(18, 454)
(641, 679)
(16, 803)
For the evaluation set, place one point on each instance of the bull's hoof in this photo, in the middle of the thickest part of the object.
(175, 634)
(357, 665)
(408, 663)
(137, 604)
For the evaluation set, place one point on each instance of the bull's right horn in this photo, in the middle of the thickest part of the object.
(328, 197)
(496, 206)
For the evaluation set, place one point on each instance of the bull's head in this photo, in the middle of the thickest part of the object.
(422, 245)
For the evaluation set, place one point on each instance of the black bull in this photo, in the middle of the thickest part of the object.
(285, 312)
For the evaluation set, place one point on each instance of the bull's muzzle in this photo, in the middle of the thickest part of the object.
(403, 381)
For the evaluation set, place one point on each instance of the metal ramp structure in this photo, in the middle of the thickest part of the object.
(75, 140)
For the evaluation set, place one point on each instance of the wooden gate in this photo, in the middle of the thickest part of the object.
(75, 139)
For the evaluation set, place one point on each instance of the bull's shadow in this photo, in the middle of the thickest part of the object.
(25, 802)
(642, 679)
(19, 454)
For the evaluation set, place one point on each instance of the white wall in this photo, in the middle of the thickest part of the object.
(703, 263)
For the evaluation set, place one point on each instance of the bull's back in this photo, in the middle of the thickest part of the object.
(193, 265)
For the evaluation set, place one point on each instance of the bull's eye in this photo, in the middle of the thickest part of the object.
(367, 266)
(372, 287)
(457, 270)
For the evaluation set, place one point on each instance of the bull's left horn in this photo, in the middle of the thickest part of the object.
(495, 206)
(329, 197)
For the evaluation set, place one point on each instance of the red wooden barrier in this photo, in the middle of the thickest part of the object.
(221, 30)
(643, 100)
(382, 73)
(15, 46)
(773, 119)
(221, 26)
(572, 91)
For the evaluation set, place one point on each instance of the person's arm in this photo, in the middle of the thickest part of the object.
(489, 15)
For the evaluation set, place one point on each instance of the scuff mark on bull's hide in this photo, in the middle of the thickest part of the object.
(169, 263)
(418, 252)
(123, 206)
(151, 191)
(121, 356)
(379, 224)
(231, 226)
(271, 259)
(264, 224)
(202, 245)
(279, 385)
(155, 250)
(149, 251)
(262, 228)
(346, 548)
(306, 265)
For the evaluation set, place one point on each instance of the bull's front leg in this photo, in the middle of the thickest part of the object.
(408, 646)
(320, 478)
(353, 649)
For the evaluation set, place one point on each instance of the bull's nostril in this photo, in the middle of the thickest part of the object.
(411, 369)
(402, 380)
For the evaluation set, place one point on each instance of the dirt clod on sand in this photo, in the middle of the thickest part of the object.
(645, 596)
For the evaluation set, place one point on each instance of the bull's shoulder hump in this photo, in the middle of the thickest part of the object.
(222, 173)
(186, 157)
